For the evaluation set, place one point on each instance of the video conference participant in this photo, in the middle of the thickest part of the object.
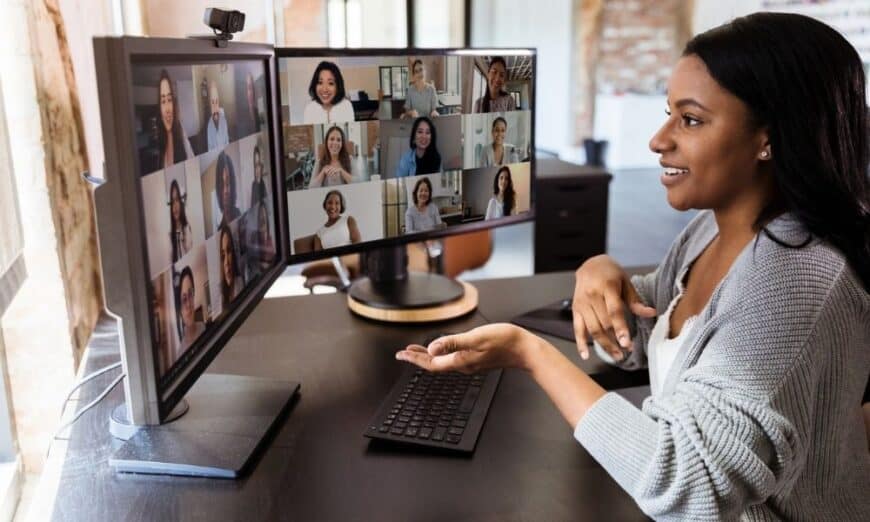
(159, 319)
(189, 328)
(333, 165)
(339, 230)
(422, 100)
(181, 235)
(329, 103)
(264, 253)
(171, 139)
(423, 214)
(231, 279)
(422, 156)
(225, 189)
(504, 201)
(755, 325)
(249, 119)
(259, 191)
(216, 130)
(495, 99)
(498, 152)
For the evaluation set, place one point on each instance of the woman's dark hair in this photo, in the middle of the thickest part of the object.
(422, 181)
(414, 65)
(178, 151)
(339, 82)
(188, 273)
(499, 119)
(343, 156)
(484, 106)
(258, 188)
(804, 82)
(340, 200)
(224, 162)
(509, 196)
(182, 218)
(227, 288)
(430, 163)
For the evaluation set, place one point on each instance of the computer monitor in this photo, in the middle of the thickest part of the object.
(382, 147)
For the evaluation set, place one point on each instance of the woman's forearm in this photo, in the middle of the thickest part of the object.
(571, 390)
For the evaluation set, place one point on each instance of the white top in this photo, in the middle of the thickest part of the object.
(336, 235)
(663, 351)
(315, 113)
(218, 137)
(488, 157)
(495, 208)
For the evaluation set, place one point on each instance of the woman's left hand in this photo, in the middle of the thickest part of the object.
(500, 345)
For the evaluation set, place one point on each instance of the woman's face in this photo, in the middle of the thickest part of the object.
(167, 110)
(326, 87)
(498, 132)
(187, 302)
(333, 206)
(175, 204)
(227, 259)
(496, 77)
(502, 181)
(708, 146)
(423, 194)
(419, 72)
(258, 166)
(423, 136)
(226, 193)
(263, 222)
(334, 143)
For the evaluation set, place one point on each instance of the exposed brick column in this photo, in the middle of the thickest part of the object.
(587, 24)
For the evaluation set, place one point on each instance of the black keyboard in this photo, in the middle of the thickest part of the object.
(440, 410)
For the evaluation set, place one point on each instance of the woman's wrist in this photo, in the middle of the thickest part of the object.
(531, 348)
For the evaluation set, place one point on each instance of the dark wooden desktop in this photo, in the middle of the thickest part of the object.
(527, 465)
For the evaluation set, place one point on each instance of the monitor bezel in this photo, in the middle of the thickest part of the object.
(318, 52)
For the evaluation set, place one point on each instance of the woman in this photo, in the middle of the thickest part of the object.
(172, 142)
(265, 244)
(329, 103)
(495, 99)
(758, 357)
(504, 200)
(422, 215)
(189, 328)
(225, 189)
(258, 186)
(181, 236)
(339, 230)
(231, 280)
(422, 157)
(333, 165)
(498, 153)
(422, 100)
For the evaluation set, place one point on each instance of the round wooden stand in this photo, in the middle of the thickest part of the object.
(443, 312)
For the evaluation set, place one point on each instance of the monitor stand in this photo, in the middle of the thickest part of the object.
(389, 292)
(215, 432)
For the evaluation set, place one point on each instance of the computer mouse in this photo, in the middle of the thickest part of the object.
(565, 308)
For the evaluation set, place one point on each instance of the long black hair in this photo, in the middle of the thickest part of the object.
(509, 197)
(430, 163)
(484, 105)
(182, 219)
(176, 134)
(805, 83)
(339, 82)
(227, 288)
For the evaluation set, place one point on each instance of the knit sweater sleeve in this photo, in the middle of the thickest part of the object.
(733, 431)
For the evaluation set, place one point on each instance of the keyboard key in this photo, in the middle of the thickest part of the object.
(469, 400)
(411, 432)
(384, 429)
(439, 433)
(453, 439)
(425, 433)
(397, 431)
(400, 425)
(404, 418)
(459, 423)
(453, 430)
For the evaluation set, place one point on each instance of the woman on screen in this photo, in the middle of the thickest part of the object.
(755, 326)
(225, 189)
(231, 279)
(339, 230)
(423, 214)
(498, 152)
(495, 99)
(422, 100)
(329, 103)
(181, 236)
(504, 200)
(258, 186)
(422, 156)
(333, 165)
(171, 140)
(189, 327)
(265, 244)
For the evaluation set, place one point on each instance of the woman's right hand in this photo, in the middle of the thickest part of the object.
(602, 291)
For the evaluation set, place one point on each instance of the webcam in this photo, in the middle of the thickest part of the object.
(224, 23)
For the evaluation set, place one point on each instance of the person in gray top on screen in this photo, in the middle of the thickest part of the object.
(217, 132)
(422, 100)
(423, 214)
(495, 99)
(504, 200)
(755, 327)
(498, 152)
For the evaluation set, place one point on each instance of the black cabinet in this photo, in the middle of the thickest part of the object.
(571, 214)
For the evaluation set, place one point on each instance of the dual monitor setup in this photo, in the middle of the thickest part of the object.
(225, 164)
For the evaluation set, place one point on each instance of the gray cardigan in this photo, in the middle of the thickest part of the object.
(762, 420)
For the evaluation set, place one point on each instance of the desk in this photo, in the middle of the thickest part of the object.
(527, 465)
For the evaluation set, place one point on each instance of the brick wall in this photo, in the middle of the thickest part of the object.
(298, 138)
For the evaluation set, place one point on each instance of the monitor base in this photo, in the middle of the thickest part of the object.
(421, 297)
(229, 419)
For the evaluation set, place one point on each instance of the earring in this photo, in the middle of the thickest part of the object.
(764, 154)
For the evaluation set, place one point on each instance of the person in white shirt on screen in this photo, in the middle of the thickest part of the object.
(504, 200)
(339, 230)
(333, 165)
(217, 133)
(498, 152)
(329, 103)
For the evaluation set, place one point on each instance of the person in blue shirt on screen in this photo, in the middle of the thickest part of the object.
(422, 156)
(217, 133)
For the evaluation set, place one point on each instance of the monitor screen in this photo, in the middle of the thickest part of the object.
(204, 162)
(384, 147)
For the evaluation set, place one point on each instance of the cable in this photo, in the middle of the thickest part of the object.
(84, 380)
(90, 405)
